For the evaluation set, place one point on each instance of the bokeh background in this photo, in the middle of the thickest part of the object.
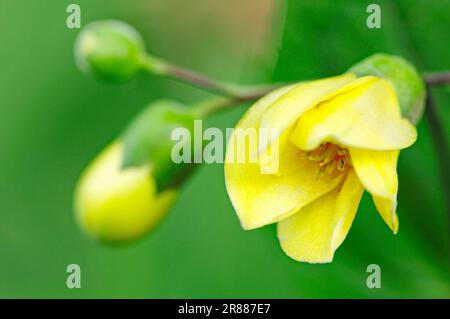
(53, 120)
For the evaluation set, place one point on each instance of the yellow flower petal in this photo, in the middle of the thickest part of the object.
(367, 116)
(115, 205)
(260, 199)
(315, 232)
(286, 110)
(280, 157)
(377, 170)
(387, 209)
(253, 115)
(247, 131)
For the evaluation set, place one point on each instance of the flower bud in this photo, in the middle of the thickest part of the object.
(110, 50)
(115, 204)
(408, 83)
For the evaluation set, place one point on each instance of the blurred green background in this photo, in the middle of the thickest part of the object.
(54, 120)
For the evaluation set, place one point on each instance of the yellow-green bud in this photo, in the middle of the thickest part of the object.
(110, 50)
(117, 205)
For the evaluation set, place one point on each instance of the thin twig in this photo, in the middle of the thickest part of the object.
(235, 92)
(438, 78)
(238, 93)
(242, 93)
(197, 79)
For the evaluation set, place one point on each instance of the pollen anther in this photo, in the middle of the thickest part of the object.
(330, 156)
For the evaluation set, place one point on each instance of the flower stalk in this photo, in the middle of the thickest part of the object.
(239, 93)
(233, 93)
(437, 78)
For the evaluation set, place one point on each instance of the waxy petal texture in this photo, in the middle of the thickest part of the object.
(387, 208)
(261, 199)
(377, 170)
(286, 110)
(315, 232)
(365, 117)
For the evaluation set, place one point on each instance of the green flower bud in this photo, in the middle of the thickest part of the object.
(110, 50)
(407, 81)
(147, 140)
(117, 205)
(131, 185)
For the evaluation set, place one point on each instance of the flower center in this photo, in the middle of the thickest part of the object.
(330, 157)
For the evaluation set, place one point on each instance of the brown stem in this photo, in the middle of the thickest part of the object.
(242, 94)
(236, 93)
(191, 77)
(438, 78)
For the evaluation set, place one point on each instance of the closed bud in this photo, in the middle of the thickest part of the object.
(117, 205)
(110, 50)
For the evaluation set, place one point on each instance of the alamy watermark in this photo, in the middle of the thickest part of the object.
(73, 20)
(74, 278)
(374, 19)
(245, 145)
(374, 279)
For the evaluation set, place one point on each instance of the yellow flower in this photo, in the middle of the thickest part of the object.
(117, 205)
(337, 137)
